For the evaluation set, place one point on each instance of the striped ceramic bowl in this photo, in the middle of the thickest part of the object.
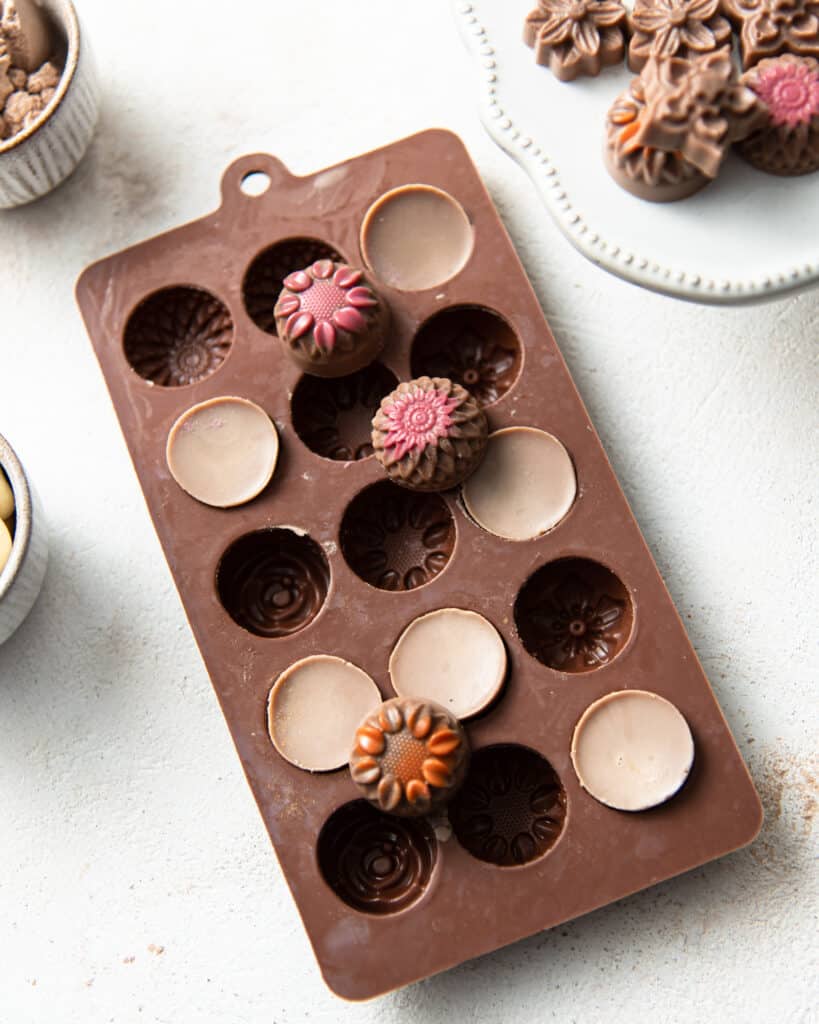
(22, 578)
(39, 158)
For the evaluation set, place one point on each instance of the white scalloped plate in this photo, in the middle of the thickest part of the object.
(745, 238)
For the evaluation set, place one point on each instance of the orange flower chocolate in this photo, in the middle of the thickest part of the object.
(410, 757)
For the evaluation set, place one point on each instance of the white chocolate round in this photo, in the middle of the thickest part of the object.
(451, 656)
(525, 485)
(223, 452)
(632, 750)
(314, 709)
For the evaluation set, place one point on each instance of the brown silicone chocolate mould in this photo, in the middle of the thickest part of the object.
(459, 906)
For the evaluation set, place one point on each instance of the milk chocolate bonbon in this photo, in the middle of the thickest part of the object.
(429, 434)
(410, 756)
(330, 320)
(576, 37)
(788, 142)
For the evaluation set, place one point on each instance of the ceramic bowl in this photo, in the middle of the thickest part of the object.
(22, 578)
(36, 160)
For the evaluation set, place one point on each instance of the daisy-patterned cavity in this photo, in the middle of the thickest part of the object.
(314, 708)
(223, 452)
(574, 615)
(525, 485)
(416, 237)
(452, 656)
(632, 750)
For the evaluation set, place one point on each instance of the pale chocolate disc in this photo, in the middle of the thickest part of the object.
(314, 709)
(223, 452)
(451, 656)
(416, 237)
(525, 485)
(632, 750)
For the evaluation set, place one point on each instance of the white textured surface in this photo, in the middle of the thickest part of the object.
(127, 827)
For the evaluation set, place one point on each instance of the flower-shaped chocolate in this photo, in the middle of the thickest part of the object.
(675, 28)
(576, 37)
(696, 108)
(429, 434)
(654, 174)
(578, 627)
(330, 320)
(409, 757)
(789, 143)
(768, 28)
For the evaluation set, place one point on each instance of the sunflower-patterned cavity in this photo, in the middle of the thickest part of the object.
(178, 336)
(330, 320)
(396, 540)
(574, 615)
(512, 807)
(473, 347)
(410, 756)
(333, 416)
(429, 434)
(273, 582)
(265, 276)
(374, 862)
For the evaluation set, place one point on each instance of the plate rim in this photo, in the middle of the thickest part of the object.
(499, 123)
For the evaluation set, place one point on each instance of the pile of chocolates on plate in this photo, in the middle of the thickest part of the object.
(459, 689)
(667, 135)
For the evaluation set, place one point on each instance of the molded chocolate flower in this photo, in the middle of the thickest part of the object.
(789, 143)
(696, 108)
(675, 28)
(429, 434)
(650, 173)
(330, 320)
(771, 27)
(576, 37)
(409, 757)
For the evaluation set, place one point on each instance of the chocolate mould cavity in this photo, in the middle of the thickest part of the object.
(375, 862)
(333, 415)
(473, 347)
(265, 276)
(178, 336)
(395, 539)
(512, 807)
(273, 582)
(574, 615)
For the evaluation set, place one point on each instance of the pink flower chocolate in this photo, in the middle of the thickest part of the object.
(330, 319)
(429, 434)
(788, 144)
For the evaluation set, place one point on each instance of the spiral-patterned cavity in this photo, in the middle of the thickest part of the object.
(376, 863)
(178, 336)
(273, 582)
